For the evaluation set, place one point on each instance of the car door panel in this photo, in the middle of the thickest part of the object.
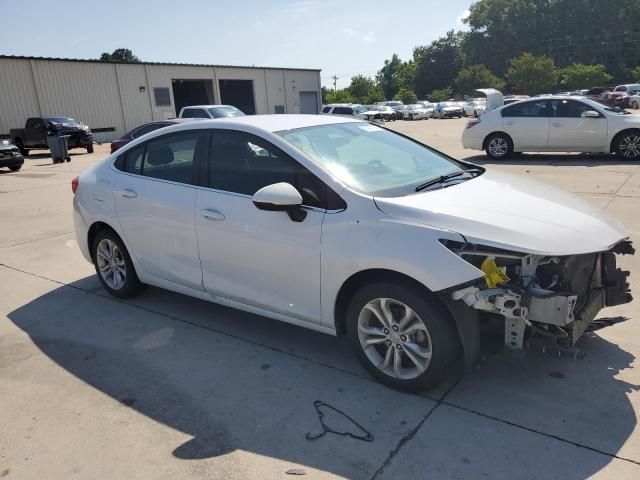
(527, 123)
(157, 214)
(570, 131)
(256, 257)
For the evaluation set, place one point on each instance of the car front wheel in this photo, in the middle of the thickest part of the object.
(499, 146)
(404, 338)
(627, 146)
(114, 266)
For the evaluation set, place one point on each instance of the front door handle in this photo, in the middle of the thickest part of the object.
(212, 214)
(128, 193)
(557, 124)
(510, 123)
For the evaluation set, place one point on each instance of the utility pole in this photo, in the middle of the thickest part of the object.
(335, 81)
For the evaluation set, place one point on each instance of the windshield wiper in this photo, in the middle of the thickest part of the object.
(440, 179)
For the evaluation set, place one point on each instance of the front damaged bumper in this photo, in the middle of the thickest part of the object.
(553, 297)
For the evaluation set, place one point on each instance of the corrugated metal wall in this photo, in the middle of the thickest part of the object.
(107, 95)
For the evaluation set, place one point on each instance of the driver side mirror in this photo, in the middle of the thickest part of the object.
(280, 197)
(590, 114)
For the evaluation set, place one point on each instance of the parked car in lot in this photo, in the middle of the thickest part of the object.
(428, 106)
(210, 111)
(634, 100)
(619, 97)
(353, 110)
(400, 109)
(144, 129)
(10, 156)
(387, 112)
(555, 124)
(34, 134)
(416, 112)
(447, 110)
(348, 228)
(474, 108)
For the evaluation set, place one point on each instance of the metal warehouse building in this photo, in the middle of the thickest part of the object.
(112, 98)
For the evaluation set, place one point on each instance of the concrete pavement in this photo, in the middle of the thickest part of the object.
(166, 386)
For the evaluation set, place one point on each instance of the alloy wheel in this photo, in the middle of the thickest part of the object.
(630, 146)
(498, 147)
(394, 338)
(111, 264)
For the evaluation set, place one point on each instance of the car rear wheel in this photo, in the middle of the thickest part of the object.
(90, 148)
(627, 146)
(114, 266)
(16, 168)
(404, 338)
(499, 146)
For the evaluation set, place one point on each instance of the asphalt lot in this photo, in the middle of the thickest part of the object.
(166, 386)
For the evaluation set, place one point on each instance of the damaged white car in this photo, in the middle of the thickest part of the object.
(345, 227)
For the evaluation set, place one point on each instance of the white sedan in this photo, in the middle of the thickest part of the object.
(554, 124)
(348, 228)
(416, 112)
(474, 108)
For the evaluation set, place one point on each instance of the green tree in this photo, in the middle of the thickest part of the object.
(568, 31)
(406, 96)
(387, 77)
(339, 96)
(579, 75)
(119, 55)
(531, 74)
(476, 76)
(437, 64)
(635, 74)
(440, 95)
(364, 90)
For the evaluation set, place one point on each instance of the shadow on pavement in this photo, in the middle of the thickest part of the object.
(230, 394)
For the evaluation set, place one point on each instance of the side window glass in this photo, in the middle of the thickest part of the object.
(194, 113)
(570, 108)
(243, 163)
(540, 108)
(133, 160)
(326, 109)
(171, 157)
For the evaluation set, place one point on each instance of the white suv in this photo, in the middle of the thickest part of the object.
(554, 124)
(353, 110)
(345, 227)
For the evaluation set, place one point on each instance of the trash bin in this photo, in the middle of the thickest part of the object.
(58, 145)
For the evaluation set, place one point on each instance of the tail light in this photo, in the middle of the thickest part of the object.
(74, 184)
(473, 122)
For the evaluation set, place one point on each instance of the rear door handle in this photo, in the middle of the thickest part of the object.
(510, 123)
(557, 124)
(128, 193)
(212, 214)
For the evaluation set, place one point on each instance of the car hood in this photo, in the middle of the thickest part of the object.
(512, 212)
(7, 146)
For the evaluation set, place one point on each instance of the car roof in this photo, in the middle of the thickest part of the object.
(207, 106)
(276, 123)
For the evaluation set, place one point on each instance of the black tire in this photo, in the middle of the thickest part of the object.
(132, 284)
(411, 117)
(444, 340)
(15, 168)
(627, 145)
(499, 142)
(635, 105)
(475, 114)
(90, 148)
(23, 151)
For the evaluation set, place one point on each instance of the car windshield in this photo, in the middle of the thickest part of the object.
(371, 159)
(415, 107)
(225, 112)
(60, 120)
(449, 104)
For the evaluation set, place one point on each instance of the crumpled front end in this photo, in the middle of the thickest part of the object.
(555, 297)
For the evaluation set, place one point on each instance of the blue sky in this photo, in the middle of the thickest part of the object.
(341, 37)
